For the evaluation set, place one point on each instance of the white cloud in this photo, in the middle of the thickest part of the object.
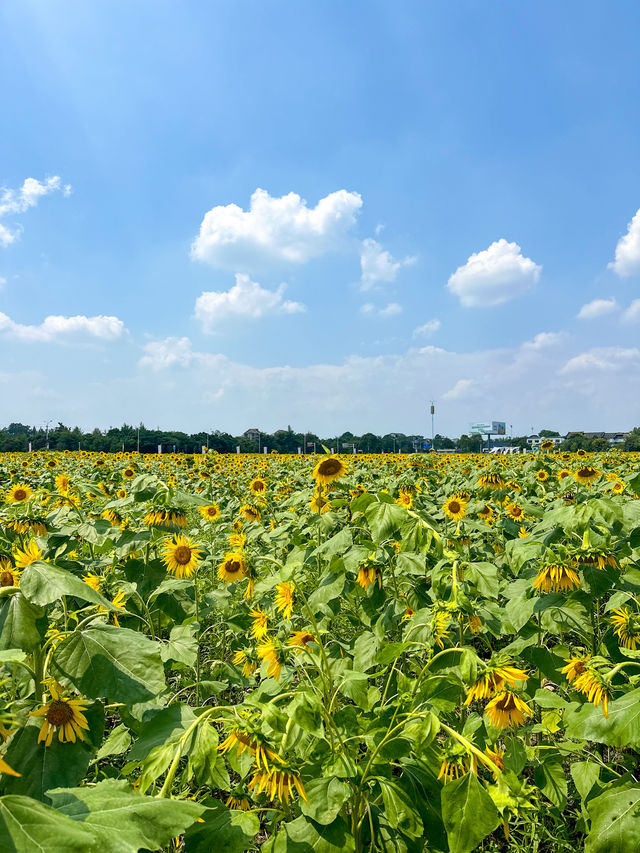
(390, 310)
(627, 260)
(632, 313)
(245, 300)
(171, 352)
(378, 265)
(543, 340)
(274, 230)
(20, 200)
(427, 329)
(604, 359)
(597, 308)
(460, 389)
(56, 327)
(494, 276)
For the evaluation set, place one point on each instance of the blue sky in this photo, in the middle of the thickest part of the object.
(445, 188)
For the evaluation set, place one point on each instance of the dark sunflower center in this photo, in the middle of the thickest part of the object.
(19, 494)
(233, 566)
(586, 472)
(258, 486)
(454, 506)
(6, 579)
(182, 555)
(59, 713)
(329, 467)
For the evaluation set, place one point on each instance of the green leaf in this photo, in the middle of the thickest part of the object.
(621, 728)
(205, 763)
(182, 645)
(364, 651)
(515, 756)
(123, 820)
(400, 811)
(468, 812)
(8, 656)
(223, 830)
(585, 774)
(303, 835)
(27, 826)
(18, 628)
(551, 780)
(384, 519)
(165, 726)
(117, 663)
(42, 583)
(117, 743)
(614, 821)
(326, 798)
(305, 710)
(43, 767)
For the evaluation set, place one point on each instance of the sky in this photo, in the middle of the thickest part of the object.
(222, 215)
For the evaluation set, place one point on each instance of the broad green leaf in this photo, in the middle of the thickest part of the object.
(468, 812)
(615, 824)
(18, 623)
(182, 645)
(116, 663)
(27, 826)
(585, 774)
(304, 835)
(400, 811)
(384, 519)
(223, 830)
(8, 656)
(551, 780)
(364, 651)
(305, 710)
(326, 798)
(43, 767)
(123, 820)
(43, 583)
(205, 763)
(621, 728)
(165, 726)
(117, 743)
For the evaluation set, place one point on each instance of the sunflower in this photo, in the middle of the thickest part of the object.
(250, 513)
(368, 575)
(63, 484)
(29, 554)
(8, 575)
(269, 652)
(555, 577)
(258, 486)
(278, 783)
(259, 627)
(487, 514)
(491, 481)
(233, 567)
(591, 684)
(329, 469)
(453, 767)
(319, 503)
(586, 475)
(515, 512)
(440, 626)
(300, 640)
(404, 498)
(129, 473)
(627, 627)
(475, 623)
(94, 581)
(542, 476)
(547, 445)
(121, 493)
(563, 473)
(210, 512)
(575, 666)
(61, 713)
(240, 803)
(165, 518)
(596, 557)
(284, 599)
(18, 493)
(494, 679)
(244, 738)
(180, 556)
(455, 508)
(244, 658)
(506, 709)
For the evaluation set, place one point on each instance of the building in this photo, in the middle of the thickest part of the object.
(252, 433)
(534, 441)
(614, 438)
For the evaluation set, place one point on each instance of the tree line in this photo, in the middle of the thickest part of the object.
(19, 437)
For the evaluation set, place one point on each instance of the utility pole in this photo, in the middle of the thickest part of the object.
(433, 435)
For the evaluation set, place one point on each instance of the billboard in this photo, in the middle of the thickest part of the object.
(489, 428)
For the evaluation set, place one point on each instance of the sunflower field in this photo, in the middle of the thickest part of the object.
(319, 654)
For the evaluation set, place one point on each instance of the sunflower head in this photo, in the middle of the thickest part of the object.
(181, 556)
(233, 567)
(329, 469)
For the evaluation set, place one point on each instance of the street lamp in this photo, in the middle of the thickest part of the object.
(46, 426)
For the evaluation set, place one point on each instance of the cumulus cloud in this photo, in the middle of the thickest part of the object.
(494, 276)
(460, 389)
(378, 265)
(627, 259)
(14, 202)
(543, 340)
(274, 230)
(245, 300)
(427, 329)
(597, 308)
(632, 313)
(55, 328)
(390, 310)
(170, 352)
(608, 359)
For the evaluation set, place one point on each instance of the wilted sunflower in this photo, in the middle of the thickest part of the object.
(440, 626)
(166, 518)
(627, 627)
(491, 481)
(368, 575)
(210, 512)
(329, 469)
(596, 557)
(233, 567)
(556, 577)
(244, 738)
(180, 556)
(284, 599)
(455, 508)
(506, 709)
(278, 784)
(493, 680)
(592, 685)
(64, 714)
(27, 555)
(586, 475)
(18, 493)
(269, 651)
(259, 627)
(249, 666)
(250, 513)
(454, 766)
(237, 802)
(301, 640)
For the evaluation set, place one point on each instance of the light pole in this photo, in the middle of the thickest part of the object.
(46, 426)
(433, 412)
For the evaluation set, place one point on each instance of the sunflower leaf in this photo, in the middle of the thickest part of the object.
(27, 825)
(43, 583)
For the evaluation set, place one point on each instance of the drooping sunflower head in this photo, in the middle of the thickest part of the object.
(556, 577)
(329, 469)
(28, 554)
(284, 599)
(507, 709)
(250, 513)
(627, 627)
(233, 567)
(181, 556)
(586, 475)
(491, 481)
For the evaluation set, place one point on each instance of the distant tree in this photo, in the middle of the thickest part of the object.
(632, 441)
(548, 433)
